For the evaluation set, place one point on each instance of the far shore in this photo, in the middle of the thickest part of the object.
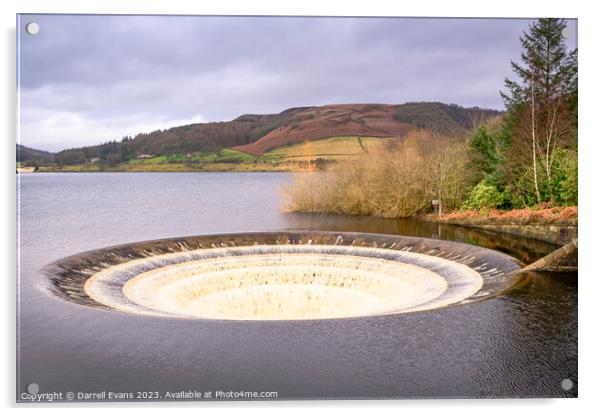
(173, 167)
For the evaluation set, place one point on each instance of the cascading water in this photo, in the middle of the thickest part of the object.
(278, 276)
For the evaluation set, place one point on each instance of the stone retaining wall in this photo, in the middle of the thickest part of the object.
(555, 234)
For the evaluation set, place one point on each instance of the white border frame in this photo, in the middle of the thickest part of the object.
(590, 145)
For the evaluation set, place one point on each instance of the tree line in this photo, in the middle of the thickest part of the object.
(201, 137)
(192, 138)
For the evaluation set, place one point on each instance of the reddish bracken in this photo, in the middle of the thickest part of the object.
(543, 214)
(374, 120)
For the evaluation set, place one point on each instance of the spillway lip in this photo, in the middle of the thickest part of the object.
(118, 278)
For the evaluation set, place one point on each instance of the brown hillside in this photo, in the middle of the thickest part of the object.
(375, 120)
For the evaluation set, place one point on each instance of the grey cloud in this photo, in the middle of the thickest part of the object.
(89, 78)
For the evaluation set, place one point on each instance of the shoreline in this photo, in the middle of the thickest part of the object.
(172, 167)
(556, 225)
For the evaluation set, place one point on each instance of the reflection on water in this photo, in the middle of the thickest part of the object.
(521, 344)
(526, 250)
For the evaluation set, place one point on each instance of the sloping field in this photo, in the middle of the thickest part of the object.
(332, 148)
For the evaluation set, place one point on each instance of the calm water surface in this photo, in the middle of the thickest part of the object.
(522, 344)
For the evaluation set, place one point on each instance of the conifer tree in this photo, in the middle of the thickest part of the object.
(543, 99)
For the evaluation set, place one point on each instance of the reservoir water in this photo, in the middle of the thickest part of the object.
(520, 344)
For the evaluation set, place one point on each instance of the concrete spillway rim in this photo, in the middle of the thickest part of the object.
(297, 236)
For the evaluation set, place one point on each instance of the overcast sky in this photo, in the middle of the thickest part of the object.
(87, 79)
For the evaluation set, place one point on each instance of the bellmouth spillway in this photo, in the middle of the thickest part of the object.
(282, 276)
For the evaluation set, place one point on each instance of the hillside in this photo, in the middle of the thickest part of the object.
(27, 154)
(251, 136)
(449, 120)
(371, 120)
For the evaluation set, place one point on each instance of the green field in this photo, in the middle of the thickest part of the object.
(333, 148)
(225, 155)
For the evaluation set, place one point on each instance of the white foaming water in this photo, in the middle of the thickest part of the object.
(276, 282)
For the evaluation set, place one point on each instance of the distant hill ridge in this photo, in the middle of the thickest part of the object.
(256, 134)
(25, 153)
